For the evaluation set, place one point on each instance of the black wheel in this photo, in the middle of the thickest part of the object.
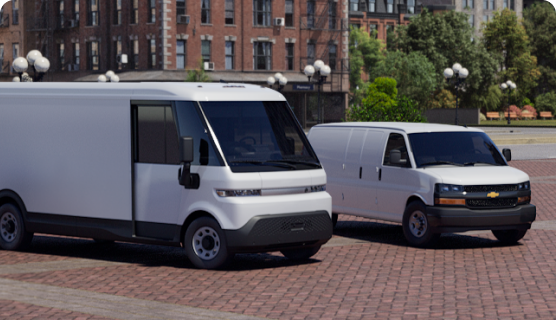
(416, 227)
(13, 235)
(334, 220)
(103, 241)
(300, 254)
(206, 245)
(509, 236)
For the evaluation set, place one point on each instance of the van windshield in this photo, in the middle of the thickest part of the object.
(454, 148)
(260, 136)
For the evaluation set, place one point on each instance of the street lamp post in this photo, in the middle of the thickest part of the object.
(278, 78)
(110, 76)
(34, 58)
(460, 75)
(510, 86)
(322, 71)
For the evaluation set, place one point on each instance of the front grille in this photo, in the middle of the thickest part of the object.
(496, 188)
(284, 225)
(492, 203)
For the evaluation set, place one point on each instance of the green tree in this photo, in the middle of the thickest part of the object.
(445, 39)
(505, 37)
(546, 102)
(365, 53)
(383, 104)
(198, 74)
(540, 25)
(414, 73)
(443, 99)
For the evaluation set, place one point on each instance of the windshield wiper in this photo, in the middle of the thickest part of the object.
(266, 163)
(473, 163)
(314, 164)
(434, 163)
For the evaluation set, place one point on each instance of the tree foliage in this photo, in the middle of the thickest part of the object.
(445, 39)
(540, 25)
(365, 53)
(383, 104)
(546, 102)
(443, 99)
(414, 73)
(198, 74)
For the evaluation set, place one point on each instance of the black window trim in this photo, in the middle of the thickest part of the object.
(407, 146)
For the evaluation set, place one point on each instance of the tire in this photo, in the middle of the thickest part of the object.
(205, 244)
(334, 220)
(300, 254)
(13, 235)
(103, 241)
(509, 236)
(416, 226)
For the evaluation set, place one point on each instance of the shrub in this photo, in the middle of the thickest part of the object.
(529, 109)
(513, 108)
(546, 102)
(482, 117)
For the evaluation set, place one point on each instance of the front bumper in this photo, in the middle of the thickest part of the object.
(281, 231)
(444, 219)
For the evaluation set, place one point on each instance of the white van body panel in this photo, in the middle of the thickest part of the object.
(478, 175)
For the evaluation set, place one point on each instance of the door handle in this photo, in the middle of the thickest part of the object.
(379, 174)
(360, 172)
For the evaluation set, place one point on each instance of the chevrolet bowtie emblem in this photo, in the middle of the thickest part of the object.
(493, 195)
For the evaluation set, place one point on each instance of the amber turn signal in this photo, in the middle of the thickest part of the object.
(526, 199)
(453, 202)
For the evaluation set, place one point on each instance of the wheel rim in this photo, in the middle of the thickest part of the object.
(418, 224)
(8, 227)
(206, 243)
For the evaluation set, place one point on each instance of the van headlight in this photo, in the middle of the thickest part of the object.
(442, 187)
(524, 186)
(238, 193)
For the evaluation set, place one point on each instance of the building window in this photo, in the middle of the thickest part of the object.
(180, 7)
(152, 54)
(262, 55)
(61, 58)
(1, 57)
(92, 13)
(15, 11)
(354, 26)
(229, 52)
(76, 56)
(332, 15)
(310, 53)
(135, 55)
(310, 14)
(205, 50)
(491, 2)
(205, 11)
(152, 11)
(117, 53)
(512, 4)
(332, 48)
(485, 4)
(15, 52)
(289, 13)
(229, 12)
(411, 6)
(472, 20)
(180, 54)
(505, 4)
(262, 11)
(372, 5)
(61, 14)
(289, 56)
(134, 19)
(390, 6)
(76, 10)
(93, 55)
(373, 30)
(118, 12)
(353, 5)
(469, 4)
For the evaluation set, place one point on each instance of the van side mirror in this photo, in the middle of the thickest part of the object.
(395, 157)
(507, 154)
(185, 177)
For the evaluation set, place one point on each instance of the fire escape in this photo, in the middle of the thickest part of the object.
(324, 27)
(41, 25)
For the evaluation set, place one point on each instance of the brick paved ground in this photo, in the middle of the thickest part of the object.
(373, 275)
(24, 311)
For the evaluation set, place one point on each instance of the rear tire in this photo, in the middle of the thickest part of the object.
(416, 226)
(509, 236)
(334, 220)
(205, 244)
(300, 254)
(13, 235)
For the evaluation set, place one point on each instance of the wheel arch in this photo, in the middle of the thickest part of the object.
(415, 197)
(194, 215)
(11, 197)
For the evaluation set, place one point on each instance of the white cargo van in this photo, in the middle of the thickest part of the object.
(217, 168)
(430, 178)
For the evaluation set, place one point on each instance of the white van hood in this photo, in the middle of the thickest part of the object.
(479, 175)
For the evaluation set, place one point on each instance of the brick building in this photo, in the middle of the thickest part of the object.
(12, 37)
(243, 40)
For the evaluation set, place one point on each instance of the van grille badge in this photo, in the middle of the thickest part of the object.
(493, 195)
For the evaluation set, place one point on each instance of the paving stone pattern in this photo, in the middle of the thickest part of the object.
(24, 311)
(369, 272)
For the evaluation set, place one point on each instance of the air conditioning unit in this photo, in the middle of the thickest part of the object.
(121, 58)
(183, 19)
(279, 22)
(76, 67)
(70, 67)
(209, 65)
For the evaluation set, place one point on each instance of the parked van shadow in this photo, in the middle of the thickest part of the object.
(377, 232)
(146, 255)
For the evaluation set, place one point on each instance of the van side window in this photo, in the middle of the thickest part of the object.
(156, 135)
(396, 142)
(191, 125)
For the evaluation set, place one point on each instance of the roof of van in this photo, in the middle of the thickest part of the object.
(188, 91)
(407, 127)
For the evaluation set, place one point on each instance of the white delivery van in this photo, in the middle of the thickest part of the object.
(430, 178)
(217, 168)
